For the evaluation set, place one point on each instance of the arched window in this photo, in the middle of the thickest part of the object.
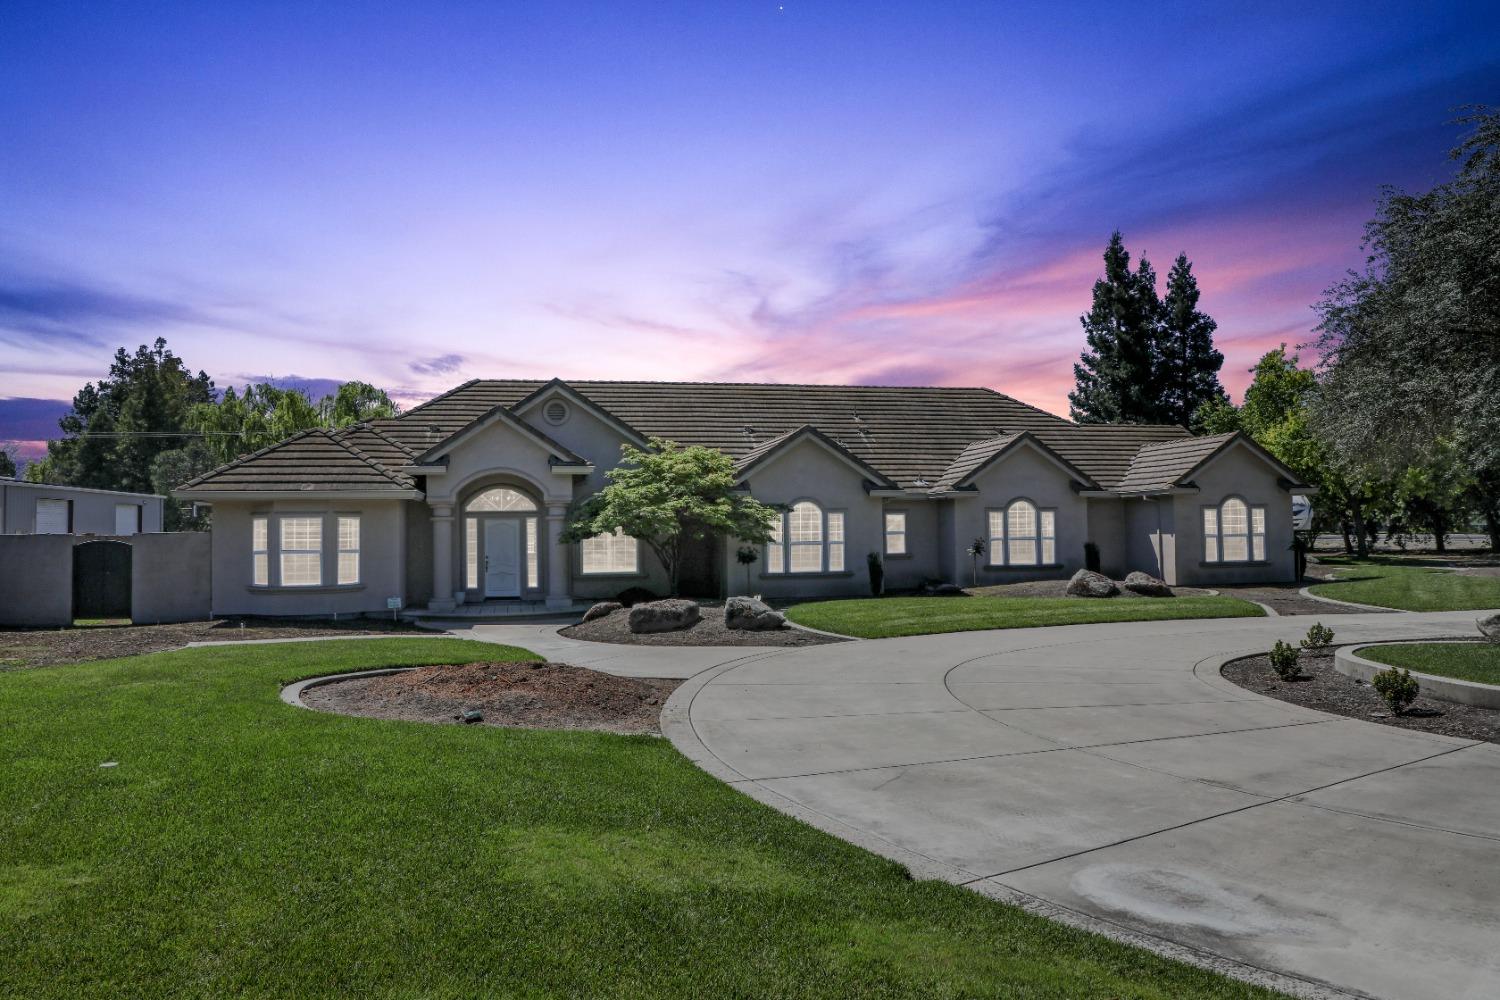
(1023, 535)
(500, 499)
(806, 539)
(1234, 531)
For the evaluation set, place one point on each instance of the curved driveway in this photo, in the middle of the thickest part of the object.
(1107, 774)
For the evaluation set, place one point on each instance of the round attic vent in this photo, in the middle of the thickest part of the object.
(555, 412)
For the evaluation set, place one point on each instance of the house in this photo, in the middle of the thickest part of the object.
(463, 500)
(43, 509)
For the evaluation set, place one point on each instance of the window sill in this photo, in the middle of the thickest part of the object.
(803, 575)
(1235, 564)
(898, 555)
(1018, 567)
(320, 589)
(629, 575)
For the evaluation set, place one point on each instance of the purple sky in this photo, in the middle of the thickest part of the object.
(415, 194)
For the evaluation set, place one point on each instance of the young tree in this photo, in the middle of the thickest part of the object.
(7, 463)
(1411, 345)
(666, 496)
(1190, 362)
(1119, 376)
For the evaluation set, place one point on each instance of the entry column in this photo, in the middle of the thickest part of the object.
(558, 569)
(442, 560)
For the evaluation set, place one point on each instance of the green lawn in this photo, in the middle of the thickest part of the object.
(1391, 583)
(243, 847)
(883, 617)
(1476, 661)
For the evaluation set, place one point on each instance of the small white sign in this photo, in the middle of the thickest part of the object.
(393, 603)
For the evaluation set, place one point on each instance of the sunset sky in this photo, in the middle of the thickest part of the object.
(418, 194)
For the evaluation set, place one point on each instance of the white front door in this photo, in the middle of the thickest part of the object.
(502, 557)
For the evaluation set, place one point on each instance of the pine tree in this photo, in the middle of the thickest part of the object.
(1190, 362)
(1119, 375)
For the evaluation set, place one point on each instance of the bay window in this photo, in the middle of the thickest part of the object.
(301, 551)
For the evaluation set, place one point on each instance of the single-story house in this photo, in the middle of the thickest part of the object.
(44, 509)
(463, 499)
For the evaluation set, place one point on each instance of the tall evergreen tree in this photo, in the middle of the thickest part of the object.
(1190, 362)
(1119, 376)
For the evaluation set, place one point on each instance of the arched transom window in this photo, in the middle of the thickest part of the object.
(501, 499)
(1023, 535)
(1234, 531)
(806, 539)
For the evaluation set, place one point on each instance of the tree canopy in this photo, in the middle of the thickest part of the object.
(667, 496)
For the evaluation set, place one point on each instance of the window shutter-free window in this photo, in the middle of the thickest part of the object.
(612, 553)
(1234, 531)
(997, 537)
(1257, 533)
(1049, 537)
(533, 565)
(348, 550)
(1210, 534)
(1020, 534)
(471, 552)
(53, 517)
(776, 547)
(805, 538)
(301, 551)
(260, 554)
(835, 541)
(895, 533)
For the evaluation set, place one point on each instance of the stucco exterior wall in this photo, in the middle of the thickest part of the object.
(1107, 519)
(923, 559)
(809, 471)
(382, 559)
(1150, 537)
(1238, 472)
(42, 595)
(93, 510)
(418, 553)
(1024, 473)
(171, 577)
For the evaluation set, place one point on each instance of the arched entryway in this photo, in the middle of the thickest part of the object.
(101, 579)
(501, 547)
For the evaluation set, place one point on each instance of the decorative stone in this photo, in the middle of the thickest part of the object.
(601, 609)
(1147, 585)
(1087, 583)
(1490, 628)
(751, 615)
(663, 616)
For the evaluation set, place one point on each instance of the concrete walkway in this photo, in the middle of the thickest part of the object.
(1108, 775)
(610, 658)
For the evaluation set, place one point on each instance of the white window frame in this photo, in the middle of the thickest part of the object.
(284, 550)
(1043, 538)
(1214, 535)
(533, 558)
(831, 542)
(608, 548)
(260, 550)
(895, 538)
(348, 551)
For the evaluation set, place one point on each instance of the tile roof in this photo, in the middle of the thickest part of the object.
(1162, 465)
(971, 458)
(763, 451)
(913, 436)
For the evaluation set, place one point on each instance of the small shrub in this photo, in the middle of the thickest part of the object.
(877, 573)
(1319, 638)
(1284, 659)
(631, 596)
(1398, 687)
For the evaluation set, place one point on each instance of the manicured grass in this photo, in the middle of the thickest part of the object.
(1391, 583)
(243, 847)
(883, 617)
(1469, 661)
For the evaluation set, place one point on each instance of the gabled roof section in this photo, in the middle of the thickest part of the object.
(981, 454)
(579, 399)
(502, 414)
(310, 461)
(764, 452)
(1169, 464)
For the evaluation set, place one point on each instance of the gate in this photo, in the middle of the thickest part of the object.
(101, 579)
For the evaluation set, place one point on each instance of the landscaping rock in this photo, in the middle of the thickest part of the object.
(1087, 583)
(943, 590)
(751, 615)
(1490, 628)
(663, 616)
(601, 609)
(1147, 585)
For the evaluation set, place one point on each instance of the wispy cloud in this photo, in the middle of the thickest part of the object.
(52, 313)
(443, 364)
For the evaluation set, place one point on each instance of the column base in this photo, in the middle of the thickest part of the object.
(562, 603)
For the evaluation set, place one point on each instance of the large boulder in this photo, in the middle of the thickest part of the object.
(1087, 583)
(663, 616)
(751, 615)
(601, 609)
(1147, 585)
(1490, 628)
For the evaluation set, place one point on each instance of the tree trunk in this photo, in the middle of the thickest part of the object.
(1361, 540)
(1492, 524)
(1348, 543)
(1440, 533)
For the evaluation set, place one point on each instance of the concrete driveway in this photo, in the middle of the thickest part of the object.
(1108, 775)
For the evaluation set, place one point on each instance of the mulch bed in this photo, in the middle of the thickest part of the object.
(707, 631)
(21, 648)
(1327, 690)
(527, 695)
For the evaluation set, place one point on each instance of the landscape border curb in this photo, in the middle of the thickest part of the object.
(1347, 661)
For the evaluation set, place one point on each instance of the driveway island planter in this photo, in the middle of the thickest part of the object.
(1348, 662)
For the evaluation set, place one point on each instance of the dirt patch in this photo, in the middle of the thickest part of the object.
(709, 630)
(20, 648)
(1284, 599)
(528, 695)
(1327, 690)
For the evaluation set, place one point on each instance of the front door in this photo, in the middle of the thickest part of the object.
(502, 557)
